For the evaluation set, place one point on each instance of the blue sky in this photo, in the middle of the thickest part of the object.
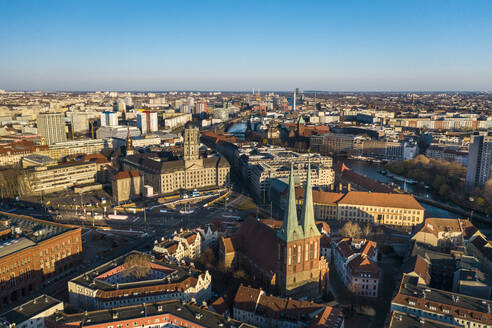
(238, 45)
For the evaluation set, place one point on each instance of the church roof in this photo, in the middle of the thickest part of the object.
(258, 242)
(291, 230)
(307, 214)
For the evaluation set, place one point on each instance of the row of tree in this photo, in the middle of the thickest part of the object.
(447, 180)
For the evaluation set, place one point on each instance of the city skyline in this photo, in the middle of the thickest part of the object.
(357, 46)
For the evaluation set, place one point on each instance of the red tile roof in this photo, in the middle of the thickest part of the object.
(127, 174)
(380, 200)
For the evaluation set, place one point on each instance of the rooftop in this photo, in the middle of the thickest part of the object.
(380, 200)
(30, 309)
(445, 303)
(162, 277)
(404, 320)
(174, 308)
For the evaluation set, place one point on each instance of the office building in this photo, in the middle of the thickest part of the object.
(189, 173)
(52, 178)
(380, 208)
(479, 161)
(34, 254)
(51, 126)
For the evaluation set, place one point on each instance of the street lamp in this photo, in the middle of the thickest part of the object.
(471, 199)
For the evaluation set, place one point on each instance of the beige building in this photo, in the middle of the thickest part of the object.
(13, 153)
(91, 146)
(53, 178)
(189, 173)
(184, 245)
(380, 208)
(443, 233)
(127, 185)
(325, 203)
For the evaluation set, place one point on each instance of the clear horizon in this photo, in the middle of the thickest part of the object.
(357, 46)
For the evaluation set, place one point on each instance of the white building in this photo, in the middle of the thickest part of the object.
(109, 118)
(175, 121)
(147, 122)
(184, 245)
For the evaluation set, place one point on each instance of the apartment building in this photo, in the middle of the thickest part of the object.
(32, 313)
(355, 261)
(257, 308)
(447, 308)
(185, 245)
(112, 285)
(171, 313)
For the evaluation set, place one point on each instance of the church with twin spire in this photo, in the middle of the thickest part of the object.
(283, 256)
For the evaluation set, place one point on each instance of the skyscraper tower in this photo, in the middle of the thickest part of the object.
(479, 160)
(294, 102)
(51, 126)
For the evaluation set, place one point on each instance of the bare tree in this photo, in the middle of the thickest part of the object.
(351, 229)
(137, 265)
(367, 230)
(208, 258)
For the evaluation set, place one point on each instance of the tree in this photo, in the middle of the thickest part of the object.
(367, 230)
(351, 229)
(137, 265)
(208, 258)
(240, 274)
(421, 159)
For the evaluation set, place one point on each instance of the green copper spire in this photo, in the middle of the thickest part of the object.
(307, 215)
(291, 230)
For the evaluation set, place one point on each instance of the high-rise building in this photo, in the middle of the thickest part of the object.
(119, 106)
(109, 118)
(200, 107)
(294, 101)
(479, 159)
(147, 121)
(51, 126)
(184, 108)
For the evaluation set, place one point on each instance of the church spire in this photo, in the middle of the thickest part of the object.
(129, 144)
(291, 230)
(307, 215)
